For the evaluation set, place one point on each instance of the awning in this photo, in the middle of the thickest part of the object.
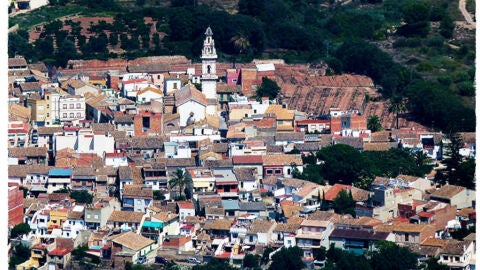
(153, 224)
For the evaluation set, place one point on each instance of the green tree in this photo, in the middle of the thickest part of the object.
(433, 264)
(82, 196)
(396, 106)
(373, 123)
(266, 254)
(19, 230)
(181, 25)
(158, 195)
(390, 256)
(66, 51)
(446, 26)
(342, 163)
(420, 158)
(268, 88)
(344, 203)
(80, 252)
(251, 261)
(21, 253)
(287, 258)
(320, 253)
(214, 264)
(113, 39)
(180, 180)
(240, 42)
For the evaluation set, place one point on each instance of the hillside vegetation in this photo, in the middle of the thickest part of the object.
(411, 48)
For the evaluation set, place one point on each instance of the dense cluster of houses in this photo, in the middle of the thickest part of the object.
(123, 136)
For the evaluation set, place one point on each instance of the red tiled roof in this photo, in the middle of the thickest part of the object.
(312, 121)
(185, 205)
(250, 159)
(334, 190)
(425, 214)
(224, 255)
(59, 252)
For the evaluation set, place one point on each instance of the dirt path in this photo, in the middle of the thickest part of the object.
(468, 17)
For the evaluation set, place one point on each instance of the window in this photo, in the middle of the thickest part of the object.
(269, 172)
(64, 106)
(95, 216)
(48, 114)
(406, 237)
(79, 115)
(72, 105)
(278, 171)
(72, 115)
(79, 106)
(64, 115)
(48, 106)
(174, 85)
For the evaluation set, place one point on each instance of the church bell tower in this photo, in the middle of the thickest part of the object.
(209, 71)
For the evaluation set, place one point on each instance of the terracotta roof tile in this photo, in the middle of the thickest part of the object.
(126, 216)
(287, 227)
(434, 242)
(455, 247)
(250, 159)
(165, 216)
(280, 112)
(447, 191)
(260, 226)
(132, 241)
(20, 152)
(189, 92)
(281, 159)
(218, 224)
(17, 62)
(409, 227)
(245, 174)
(137, 191)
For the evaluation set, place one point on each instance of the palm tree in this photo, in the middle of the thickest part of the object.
(396, 106)
(373, 123)
(181, 180)
(240, 42)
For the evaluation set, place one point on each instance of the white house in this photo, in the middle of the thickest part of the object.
(177, 150)
(86, 142)
(190, 104)
(74, 223)
(148, 94)
(185, 209)
(134, 82)
(171, 85)
(71, 108)
(116, 159)
(58, 179)
(457, 254)
(80, 88)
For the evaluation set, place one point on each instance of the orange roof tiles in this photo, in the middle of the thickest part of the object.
(281, 159)
(448, 191)
(185, 205)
